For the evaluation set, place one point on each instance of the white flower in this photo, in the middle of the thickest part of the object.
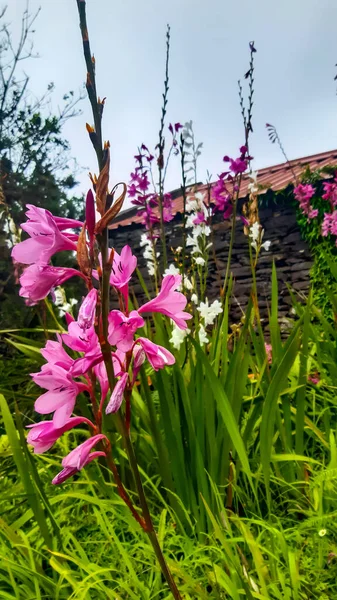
(266, 245)
(191, 204)
(200, 196)
(190, 241)
(209, 312)
(254, 232)
(187, 283)
(216, 307)
(61, 302)
(149, 253)
(178, 250)
(200, 260)
(172, 270)
(178, 336)
(194, 299)
(252, 186)
(189, 221)
(203, 339)
(143, 240)
(322, 532)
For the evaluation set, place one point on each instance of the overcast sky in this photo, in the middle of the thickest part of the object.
(296, 43)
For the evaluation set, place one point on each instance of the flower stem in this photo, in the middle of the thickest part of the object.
(122, 427)
(230, 251)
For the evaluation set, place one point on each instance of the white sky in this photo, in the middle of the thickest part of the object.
(294, 78)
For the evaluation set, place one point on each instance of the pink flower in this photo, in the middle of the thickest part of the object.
(138, 359)
(55, 354)
(200, 218)
(79, 458)
(45, 239)
(83, 341)
(122, 268)
(86, 313)
(117, 395)
(333, 223)
(237, 166)
(37, 281)
(303, 194)
(101, 375)
(326, 225)
(132, 190)
(43, 436)
(330, 194)
(169, 302)
(157, 356)
(143, 183)
(123, 328)
(61, 395)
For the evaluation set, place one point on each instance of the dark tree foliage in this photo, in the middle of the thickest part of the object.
(34, 158)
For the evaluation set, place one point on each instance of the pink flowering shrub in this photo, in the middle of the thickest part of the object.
(305, 192)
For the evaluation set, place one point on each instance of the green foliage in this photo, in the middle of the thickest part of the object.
(239, 462)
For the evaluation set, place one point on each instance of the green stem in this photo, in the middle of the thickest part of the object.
(230, 251)
(121, 425)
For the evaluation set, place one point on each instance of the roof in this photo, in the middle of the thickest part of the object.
(276, 177)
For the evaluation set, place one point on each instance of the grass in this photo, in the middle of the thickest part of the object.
(239, 462)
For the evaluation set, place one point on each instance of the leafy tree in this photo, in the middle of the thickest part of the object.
(34, 156)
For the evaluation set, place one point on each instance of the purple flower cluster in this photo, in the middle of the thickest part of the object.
(224, 190)
(138, 191)
(303, 194)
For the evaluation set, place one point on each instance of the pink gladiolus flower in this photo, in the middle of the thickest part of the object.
(143, 183)
(83, 341)
(55, 354)
(101, 375)
(86, 313)
(200, 218)
(237, 166)
(61, 395)
(43, 436)
(37, 281)
(123, 328)
(122, 268)
(45, 239)
(117, 395)
(79, 458)
(169, 302)
(132, 190)
(138, 359)
(157, 356)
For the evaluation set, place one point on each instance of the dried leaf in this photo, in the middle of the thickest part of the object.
(113, 210)
(82, 253)
(102, 185)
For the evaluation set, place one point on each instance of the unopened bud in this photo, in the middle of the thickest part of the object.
(90, 217)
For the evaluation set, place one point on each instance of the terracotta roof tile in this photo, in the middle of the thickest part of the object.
(275, 177)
